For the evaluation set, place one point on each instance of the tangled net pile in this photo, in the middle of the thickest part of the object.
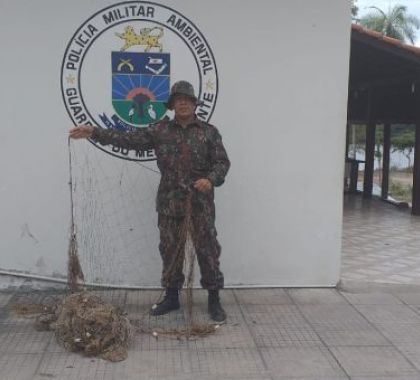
(83, 322)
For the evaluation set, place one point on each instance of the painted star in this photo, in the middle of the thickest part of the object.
(209, 85)
(70, 79)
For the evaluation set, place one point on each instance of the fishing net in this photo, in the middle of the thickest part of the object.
(82, 321)
(74, 269)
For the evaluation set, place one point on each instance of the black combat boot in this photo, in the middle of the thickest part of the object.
(170, 302)
(215, 308)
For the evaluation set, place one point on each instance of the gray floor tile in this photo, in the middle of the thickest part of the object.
(156, 364)
(409, 298)
(389, 314)
(400, 333)
(415, 308)
(373, 361)
(18, 366)
(4, 299)
(334, 318)
(274, 296)
(411, 351)
(140, 302)
(74, 366)
(14, 324)
(337, 377)
(316, 296)
(32, 342)
(277, 335)
(232, 362)
(300, 362)
(274, 314)
(353, 337)
(398, 377)
(370, 299)
(228, 336)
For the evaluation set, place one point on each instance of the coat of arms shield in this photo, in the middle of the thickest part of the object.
(140, 86)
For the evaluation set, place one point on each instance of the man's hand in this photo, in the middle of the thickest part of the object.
(81, 132)
(203, 185)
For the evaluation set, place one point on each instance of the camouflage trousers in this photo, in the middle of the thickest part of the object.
(206, 246)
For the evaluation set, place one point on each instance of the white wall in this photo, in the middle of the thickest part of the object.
(283, 74)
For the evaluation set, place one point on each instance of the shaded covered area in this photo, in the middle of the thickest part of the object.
(384, 92)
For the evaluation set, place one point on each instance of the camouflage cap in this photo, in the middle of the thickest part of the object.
(181, 87)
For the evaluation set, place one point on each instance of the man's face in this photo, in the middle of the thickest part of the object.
(184, 107)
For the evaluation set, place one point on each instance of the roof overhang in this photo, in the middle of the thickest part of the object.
(389, 68)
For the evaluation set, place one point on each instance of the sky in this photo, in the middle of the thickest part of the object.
(413, 7)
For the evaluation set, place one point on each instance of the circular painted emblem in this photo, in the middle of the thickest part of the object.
(119, 65)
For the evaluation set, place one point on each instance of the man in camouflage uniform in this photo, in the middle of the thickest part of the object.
(192, 160)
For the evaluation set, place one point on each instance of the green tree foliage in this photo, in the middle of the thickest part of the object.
(403, 139)
(354, 8)
(357, 139)
(379, 143)
(395, 23)
(400, 191)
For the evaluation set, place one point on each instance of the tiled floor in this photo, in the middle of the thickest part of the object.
(381, 243)
(305, 334)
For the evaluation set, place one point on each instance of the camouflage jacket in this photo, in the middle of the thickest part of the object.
(184, 155)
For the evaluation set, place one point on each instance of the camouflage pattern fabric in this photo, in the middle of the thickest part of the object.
(206, 246)
(184, 155)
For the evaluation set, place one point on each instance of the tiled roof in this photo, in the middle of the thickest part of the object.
(391, 41)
